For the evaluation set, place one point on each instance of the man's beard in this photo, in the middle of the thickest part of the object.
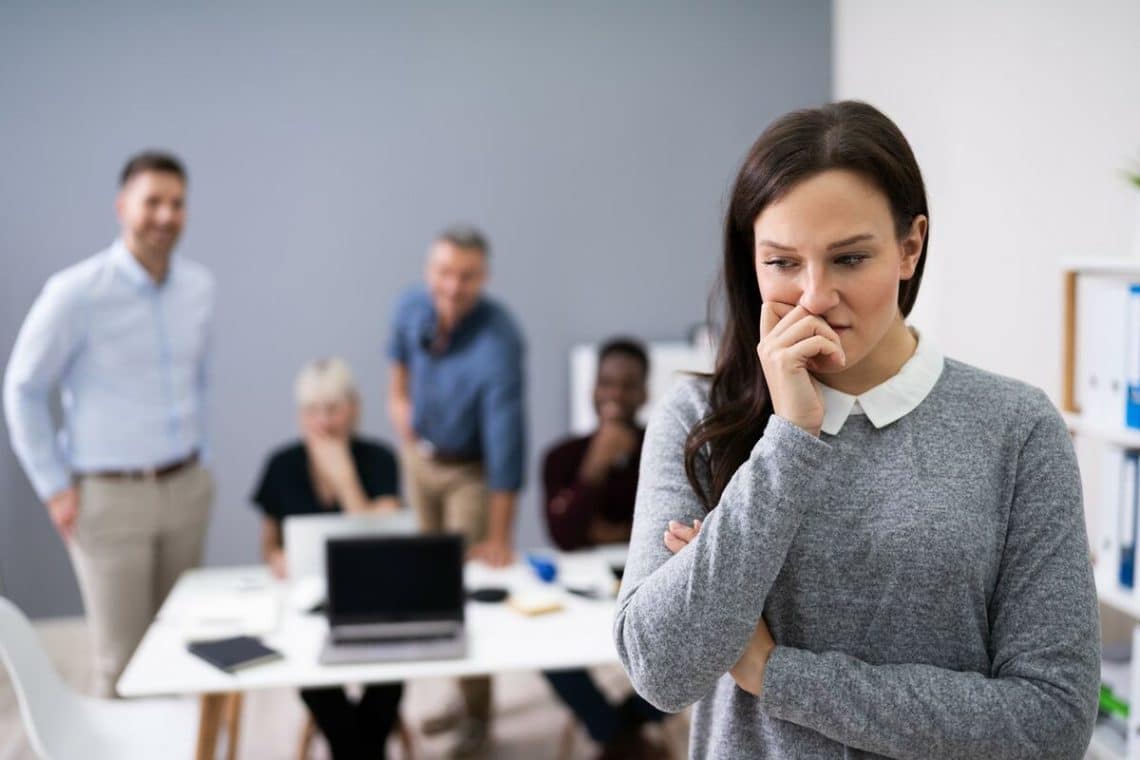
(159, 245)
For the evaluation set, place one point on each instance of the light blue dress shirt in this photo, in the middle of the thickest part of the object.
(129, 357)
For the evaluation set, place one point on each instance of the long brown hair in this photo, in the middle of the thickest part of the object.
(846, 135)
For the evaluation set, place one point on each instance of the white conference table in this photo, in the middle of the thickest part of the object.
(216, 602)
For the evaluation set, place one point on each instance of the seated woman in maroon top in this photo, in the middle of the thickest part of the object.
(590, 485)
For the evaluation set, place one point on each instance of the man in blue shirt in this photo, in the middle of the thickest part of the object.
(456, 398)
(123, 337)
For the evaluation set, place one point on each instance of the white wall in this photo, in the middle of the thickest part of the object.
(1022, 115)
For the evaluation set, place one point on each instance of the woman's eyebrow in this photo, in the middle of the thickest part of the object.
(862, 238)
(851, 241)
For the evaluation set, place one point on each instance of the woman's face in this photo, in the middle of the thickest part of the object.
(829, 244)
(329, 418)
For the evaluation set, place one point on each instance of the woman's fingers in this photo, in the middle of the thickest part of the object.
(678, 535)
(770, 316)
(783, 325)
(803, 329)
(674, 544)
(776, 316)
(684, 532)
(797, 326)
(816, 346)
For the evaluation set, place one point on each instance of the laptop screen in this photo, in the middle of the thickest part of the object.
(395, 578)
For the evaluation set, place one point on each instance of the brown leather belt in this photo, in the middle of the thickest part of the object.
(152, 473)
(442, 458)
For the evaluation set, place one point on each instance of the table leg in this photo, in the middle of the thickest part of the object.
(233, 722)
(209, 720)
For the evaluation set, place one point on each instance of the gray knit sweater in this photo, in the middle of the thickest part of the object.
(927, 584)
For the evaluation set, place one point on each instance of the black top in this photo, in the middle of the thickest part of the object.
(286, 487)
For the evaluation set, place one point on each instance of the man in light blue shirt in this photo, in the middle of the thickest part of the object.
(123, 337)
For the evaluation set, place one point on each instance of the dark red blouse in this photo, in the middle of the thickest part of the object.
(571, 504)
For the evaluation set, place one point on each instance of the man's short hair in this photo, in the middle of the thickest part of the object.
(630, 347)
(151, 161)
(467, 237)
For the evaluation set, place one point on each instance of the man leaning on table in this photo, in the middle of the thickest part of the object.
(123, 336)
(456, 399)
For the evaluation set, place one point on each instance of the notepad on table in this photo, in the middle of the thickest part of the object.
(531, 603)
(234, 653)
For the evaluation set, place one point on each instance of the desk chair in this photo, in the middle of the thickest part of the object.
(309, 732)
(307, 536)
(64, 725)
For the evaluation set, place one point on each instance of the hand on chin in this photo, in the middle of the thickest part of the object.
(826, 365)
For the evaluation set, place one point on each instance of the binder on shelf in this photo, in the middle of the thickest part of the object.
(1128, 504)
(1103, 308)
(1112, 462)
(1132, 373)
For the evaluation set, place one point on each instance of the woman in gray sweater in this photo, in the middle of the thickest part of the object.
(846, 545)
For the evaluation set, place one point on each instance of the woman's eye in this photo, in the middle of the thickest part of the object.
(851, 260)
(779, 263)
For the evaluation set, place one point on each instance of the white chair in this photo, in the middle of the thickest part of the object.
(62, 724)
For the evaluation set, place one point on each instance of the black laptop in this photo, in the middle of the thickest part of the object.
(394, 598)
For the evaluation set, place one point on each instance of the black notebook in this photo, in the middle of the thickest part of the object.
(235, 653)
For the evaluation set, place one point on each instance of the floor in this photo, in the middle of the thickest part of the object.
(529, 723)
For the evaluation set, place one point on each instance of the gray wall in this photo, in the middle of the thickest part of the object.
(326, 146)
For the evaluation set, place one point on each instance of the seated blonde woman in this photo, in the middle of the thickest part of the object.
(332, 469)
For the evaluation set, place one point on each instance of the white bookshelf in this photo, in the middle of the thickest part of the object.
(1111, 266)
(1110, 593)
(1121, 436)
(1106, 744)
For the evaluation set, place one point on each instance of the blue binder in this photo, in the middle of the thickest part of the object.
(1132, 371)
(1128, 505)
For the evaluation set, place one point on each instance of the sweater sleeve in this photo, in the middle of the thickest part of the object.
(1039, 699)
(684, 620)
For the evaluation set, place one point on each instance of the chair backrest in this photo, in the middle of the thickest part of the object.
(45, 701)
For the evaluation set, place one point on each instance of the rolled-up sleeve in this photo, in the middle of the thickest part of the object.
(502, 405)
(398, 349)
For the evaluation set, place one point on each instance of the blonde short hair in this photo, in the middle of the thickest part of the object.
(325, 381)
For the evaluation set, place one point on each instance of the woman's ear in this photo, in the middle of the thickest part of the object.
(911, 247)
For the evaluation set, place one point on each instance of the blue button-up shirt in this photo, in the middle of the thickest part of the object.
(468, 400)
(129, 357)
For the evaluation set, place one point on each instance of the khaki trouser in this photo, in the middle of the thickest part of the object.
(451, 498)
(132, 540)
